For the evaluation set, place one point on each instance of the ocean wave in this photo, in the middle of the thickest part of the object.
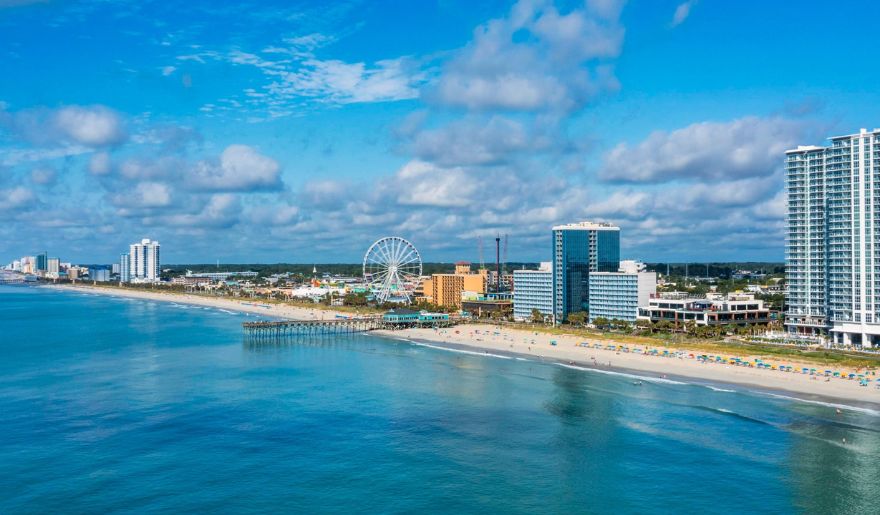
(460, 351)
(718, 389)
(624, 374)
(729, 413)
(867, 411)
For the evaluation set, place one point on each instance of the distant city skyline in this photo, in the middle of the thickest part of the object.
(275, 133)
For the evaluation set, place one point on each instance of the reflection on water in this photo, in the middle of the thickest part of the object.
(116, 405)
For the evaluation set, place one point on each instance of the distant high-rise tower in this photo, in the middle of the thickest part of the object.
(831, 253)
(144, 261)
(579, 249)
(42, 263)
(124, 268)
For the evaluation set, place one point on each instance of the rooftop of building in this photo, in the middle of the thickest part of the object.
(708, 297)
(802, 149)
(587, 226)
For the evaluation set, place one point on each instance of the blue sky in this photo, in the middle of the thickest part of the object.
(302, 131)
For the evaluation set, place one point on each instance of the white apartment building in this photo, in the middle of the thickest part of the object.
(533, 289)
(833, 223)
(143, 260)
(618, 295)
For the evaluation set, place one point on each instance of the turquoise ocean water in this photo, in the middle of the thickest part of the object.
(127, 406)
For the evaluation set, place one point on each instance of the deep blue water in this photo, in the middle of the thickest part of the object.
(113, 405)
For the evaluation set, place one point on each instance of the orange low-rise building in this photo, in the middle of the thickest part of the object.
(446, 289)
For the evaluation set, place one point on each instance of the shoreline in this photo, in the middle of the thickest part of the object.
(864, 406)
(568, 350)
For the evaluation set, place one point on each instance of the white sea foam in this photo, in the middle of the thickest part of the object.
(717, 389)
(460, 351)
(867, 411)
(623, 374)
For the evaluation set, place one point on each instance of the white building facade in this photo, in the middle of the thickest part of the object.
(618, 295)
(144, 261)
(833, 222)
(532, 289)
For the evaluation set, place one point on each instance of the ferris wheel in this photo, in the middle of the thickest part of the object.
(392, 267)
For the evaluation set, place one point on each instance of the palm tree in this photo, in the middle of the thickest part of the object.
(537, 316)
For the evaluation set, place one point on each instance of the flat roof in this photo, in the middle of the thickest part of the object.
(813, 148)
(587, 226)
(804, 148)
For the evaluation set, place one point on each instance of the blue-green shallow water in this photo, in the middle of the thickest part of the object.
(112, 405)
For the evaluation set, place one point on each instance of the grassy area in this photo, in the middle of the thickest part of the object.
(824, 357)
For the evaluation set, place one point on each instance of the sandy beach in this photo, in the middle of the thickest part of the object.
(244, 305)
(568, 349)
(571, 350)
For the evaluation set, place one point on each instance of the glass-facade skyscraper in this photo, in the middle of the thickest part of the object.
(833, 222)
(42, 263)
(124, 268)
(579, 249)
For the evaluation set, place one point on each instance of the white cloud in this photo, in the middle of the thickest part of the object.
(221, 211)
(430, 186)
(340, 82)
(241, 168)
(92, 126)
(476, 141)
(149, 195)
(536, 58)
(70, 126)
(168, 70)
(747, 147)
(682, 12)
(16, 198)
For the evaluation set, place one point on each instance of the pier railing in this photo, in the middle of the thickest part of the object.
(268, 331)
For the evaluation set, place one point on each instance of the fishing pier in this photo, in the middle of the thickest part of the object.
(269, 331)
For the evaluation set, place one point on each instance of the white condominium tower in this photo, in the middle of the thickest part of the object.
(144, 261)
(832, 260)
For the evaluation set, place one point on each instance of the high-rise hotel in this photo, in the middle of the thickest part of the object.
(832, 260)
(579, 249)
(142, 263)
